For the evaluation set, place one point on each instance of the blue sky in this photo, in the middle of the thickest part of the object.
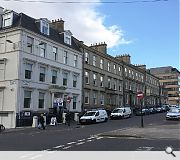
(148, 31)
(153, 29)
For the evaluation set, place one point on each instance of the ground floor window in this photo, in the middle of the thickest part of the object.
(41, 100)
(102, 99)
(74, 102)
(86, 98)
(27, 99)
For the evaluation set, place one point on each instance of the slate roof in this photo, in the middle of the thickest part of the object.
(29, 23)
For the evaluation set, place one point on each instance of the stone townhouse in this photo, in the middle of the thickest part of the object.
(40, 67)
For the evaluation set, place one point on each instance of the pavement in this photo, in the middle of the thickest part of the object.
(48, 127)
(148, 132)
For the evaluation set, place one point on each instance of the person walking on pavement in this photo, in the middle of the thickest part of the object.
(67, 118)
(41, 122)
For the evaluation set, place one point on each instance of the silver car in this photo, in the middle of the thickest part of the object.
(174, 113)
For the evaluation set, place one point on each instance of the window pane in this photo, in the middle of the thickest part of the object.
(54, 53)
(41, 100)
(42, 70)
(27, 99)
(74, 102)
(27, 94)
(27, 74)
(28, 66)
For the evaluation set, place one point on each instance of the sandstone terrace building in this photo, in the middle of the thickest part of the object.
(42, 63)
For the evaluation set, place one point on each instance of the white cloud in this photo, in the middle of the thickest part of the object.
(84, 20)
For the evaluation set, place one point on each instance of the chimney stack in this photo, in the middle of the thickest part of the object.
(57, 25)
(141, 66)
(125, 58)
(101, 47)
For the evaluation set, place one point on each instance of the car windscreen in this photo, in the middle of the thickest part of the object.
(89, 114)
(174, 110)
(117, 111)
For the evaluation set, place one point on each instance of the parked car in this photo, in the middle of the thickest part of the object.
(152, 110)
(138, 112)
(122, 112)
(147, 111)
(94, 116)
(166, 107)
(159, 109)
(174, 114)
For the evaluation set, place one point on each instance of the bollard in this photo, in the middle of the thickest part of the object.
(64, 116)
(44, 120)
(35, 122)
(76, 117)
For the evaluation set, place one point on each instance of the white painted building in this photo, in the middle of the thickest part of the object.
(40, 64)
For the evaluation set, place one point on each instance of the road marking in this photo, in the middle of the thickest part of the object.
(58, 146)
(67, 147)
(80, 143)
(71, 142)
(89, 140)
(92, 137)
(110, 137)
(37, 156)
(81, 140)
(99, 138)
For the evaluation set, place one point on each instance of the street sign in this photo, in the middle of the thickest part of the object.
(140, 95)
(58, 102)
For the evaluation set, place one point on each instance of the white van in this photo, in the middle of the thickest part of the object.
(94, 117)
(122, 112)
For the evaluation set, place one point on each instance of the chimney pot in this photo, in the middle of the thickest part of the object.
(58, 25)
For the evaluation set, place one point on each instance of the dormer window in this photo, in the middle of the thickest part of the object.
(44, 26)
(67, 37)
(7, 18)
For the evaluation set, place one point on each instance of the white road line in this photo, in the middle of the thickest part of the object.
(89, 140)
(80, 143)
(81, 140)
(71, 142)
(58, 146)
(67, 147)
(37, 156)
(99, 138)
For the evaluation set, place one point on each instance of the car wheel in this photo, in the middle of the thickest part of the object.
(106, 119)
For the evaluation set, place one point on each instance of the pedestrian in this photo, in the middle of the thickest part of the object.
(67, 118)
(41, 122)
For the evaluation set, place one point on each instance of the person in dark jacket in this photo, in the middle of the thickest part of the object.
(67, 118)
(41, 121)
